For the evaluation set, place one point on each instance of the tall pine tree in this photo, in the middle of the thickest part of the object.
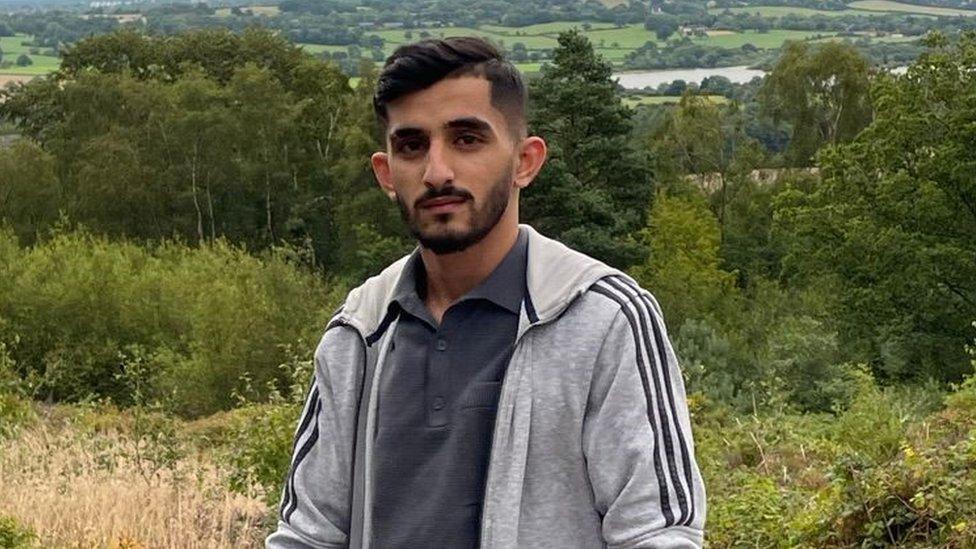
(596, 188)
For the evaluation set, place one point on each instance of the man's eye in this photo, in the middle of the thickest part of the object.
(410, 147)
(468, 139)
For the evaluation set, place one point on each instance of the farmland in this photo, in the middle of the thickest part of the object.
(781, 11)
(12, 47)
(889, 6)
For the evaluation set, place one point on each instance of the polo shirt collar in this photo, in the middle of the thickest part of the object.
(505, 286)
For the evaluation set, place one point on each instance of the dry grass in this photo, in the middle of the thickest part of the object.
(82, 485)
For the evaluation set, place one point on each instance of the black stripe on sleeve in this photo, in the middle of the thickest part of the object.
(635, 300)
(665, 372)
(311, 406)
(302, 452)
(645, 383)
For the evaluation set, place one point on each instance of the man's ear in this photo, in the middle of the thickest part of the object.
(381, 169)
(532, 155)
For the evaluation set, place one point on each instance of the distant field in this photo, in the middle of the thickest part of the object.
(545, 28)
(537, 41)
(319, 48)
(629, 36)
(888, 5)
(780, 11)
(891, 38)
(613, 43)
(765, 40)
(12, 48)
(632, 101)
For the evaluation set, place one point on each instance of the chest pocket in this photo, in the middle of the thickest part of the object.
(481, 394)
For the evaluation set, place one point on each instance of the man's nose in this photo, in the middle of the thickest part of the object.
(438, 171)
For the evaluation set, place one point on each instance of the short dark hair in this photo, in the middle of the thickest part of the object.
(417, 66)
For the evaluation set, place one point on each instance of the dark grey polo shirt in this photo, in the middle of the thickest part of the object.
(438, 398)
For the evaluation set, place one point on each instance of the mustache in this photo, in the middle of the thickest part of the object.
(449, 190)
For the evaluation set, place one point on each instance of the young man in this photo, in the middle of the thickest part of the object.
(494, 388)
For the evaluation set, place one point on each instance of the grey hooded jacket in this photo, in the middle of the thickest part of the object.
(592, 444)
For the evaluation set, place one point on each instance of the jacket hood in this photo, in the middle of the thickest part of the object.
(555, 276)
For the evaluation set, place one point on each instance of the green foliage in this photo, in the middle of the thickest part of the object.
(892, 222)
(261, 435)
(924, 495)
(15, 409)
(203, 134)
(822, 91)
(194, 321)
(882, 472)
(28, 189)
(803, 358)
(14, 535)
(683, 268)
(260, 448)
(751, 515)
(593, 191)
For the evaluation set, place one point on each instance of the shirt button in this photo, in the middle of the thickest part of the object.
(441, 345)
(438, 403)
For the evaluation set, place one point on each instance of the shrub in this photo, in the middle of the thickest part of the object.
(15, 409)
(13, 535)
(197, 319)
(260, 449)
(898, 484)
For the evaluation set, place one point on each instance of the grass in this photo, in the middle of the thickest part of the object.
(544, 28)
(319, 48)
(891, 38)
(12, 48)
(397, 36)
(889, 6)
(780, 11)
(75, 479)
(763, 40)
(613, 43)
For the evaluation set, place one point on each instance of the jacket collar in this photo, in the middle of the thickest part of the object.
(555, 275)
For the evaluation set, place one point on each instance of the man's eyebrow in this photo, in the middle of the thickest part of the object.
(470, 123)
(404, 132)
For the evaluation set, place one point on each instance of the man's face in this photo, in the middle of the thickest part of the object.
(451, 163)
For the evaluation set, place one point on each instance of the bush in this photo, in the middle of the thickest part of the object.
(260, 448)
(15, 410)
(195, 321)
(13, 535)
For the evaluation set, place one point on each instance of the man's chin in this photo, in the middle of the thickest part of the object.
(446, 242)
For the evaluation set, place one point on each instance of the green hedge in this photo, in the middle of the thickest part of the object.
(194, 327)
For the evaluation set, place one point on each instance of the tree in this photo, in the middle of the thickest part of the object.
(242, 137)
(893, 220)
(822, 91)
(593, 192)
(683, 269)
(24, 60)
(519, 52)
(706, 140)
(29, 190)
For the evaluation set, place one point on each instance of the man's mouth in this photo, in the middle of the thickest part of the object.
(443, 204)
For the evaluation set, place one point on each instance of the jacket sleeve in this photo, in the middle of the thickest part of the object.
(317, 493)
(637, 434)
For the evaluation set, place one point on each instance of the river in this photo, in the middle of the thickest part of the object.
(640, 79)
(637, 80)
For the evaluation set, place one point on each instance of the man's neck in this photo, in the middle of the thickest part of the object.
(451, 276)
